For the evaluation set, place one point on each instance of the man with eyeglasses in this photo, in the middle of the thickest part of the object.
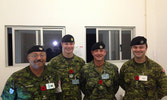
(33, 82)
(68, 66)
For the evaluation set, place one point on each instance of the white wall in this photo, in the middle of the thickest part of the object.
(157, 28)
(76, 14)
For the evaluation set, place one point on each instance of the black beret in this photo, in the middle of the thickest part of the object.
(36, 48)
(68, 38)
(98, 45)
(139, 40)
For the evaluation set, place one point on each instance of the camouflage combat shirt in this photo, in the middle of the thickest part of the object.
(145, 81)
(99, 86)
(24, 85)
(68, 69)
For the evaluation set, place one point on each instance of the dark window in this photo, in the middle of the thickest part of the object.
(20, 39)
(90, 40)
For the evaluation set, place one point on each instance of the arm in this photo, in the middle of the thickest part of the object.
(162, 83)
(82, 81)
(116, 81)
(9, 92)
(121, 78)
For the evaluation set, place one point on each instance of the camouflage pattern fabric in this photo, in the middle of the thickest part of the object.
(24, 85)
(154, 88)
(95, 86)
(69, 73)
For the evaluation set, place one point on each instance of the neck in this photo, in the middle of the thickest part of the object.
(37, 72)
(70, 55)
(140, 60)
(99, 63)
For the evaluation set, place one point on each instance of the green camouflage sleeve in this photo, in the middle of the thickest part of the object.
(162, 83)
(51, 64)
(9, 92)
(116, 80)
(121, 77)
(82, 81)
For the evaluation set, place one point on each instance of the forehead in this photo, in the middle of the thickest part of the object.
(99, 50)
(67, 42)
(142, 45)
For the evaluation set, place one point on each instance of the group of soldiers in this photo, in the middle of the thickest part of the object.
(66, 76)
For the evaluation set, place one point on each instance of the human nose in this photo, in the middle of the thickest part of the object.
(38, 57)
(137, 49)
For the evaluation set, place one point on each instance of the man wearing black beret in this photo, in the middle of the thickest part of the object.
(99, 78)
(68, 66)
(141, 77)
(33, 82)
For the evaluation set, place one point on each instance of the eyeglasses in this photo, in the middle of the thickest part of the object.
(36, 55)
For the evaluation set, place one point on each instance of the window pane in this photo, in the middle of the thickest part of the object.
(90, 40)
(52, 42)
(24, 39)
(104, 36)
(10, 45)
(126, 50)
(115, 47)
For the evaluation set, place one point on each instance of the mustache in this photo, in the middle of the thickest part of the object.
(38, 61)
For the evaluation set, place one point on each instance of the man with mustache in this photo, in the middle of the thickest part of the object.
(141, 77)
(33, 82)
(99, 78)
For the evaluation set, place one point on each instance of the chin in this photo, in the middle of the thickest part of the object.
(139, 56)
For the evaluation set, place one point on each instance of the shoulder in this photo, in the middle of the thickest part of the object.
(77, 58)
(18, 74)
(60, 56)
(55, 59)
(129, 62)
(153, 63)
(88, 66)
(126, 65)
(111, 66)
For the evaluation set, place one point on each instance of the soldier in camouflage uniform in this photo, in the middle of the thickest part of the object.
(32, 82)
(68, 66)
(99, 79)
(141, 77)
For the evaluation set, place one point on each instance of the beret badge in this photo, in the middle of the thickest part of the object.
(72, 39)
(40, 48)
(141, 42)
(101, 47)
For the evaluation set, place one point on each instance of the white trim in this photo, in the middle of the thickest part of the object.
(36, 37)
(41, 34)
(120, 44)
(97, 35)
(13, 46)
(109, 52)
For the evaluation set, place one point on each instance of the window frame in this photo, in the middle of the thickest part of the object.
(23, 27)
(110, 28)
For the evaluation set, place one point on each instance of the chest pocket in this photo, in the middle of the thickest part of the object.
(92, 80)
(25, 91)
(129, 76)
(150, 83)
(109, 81)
